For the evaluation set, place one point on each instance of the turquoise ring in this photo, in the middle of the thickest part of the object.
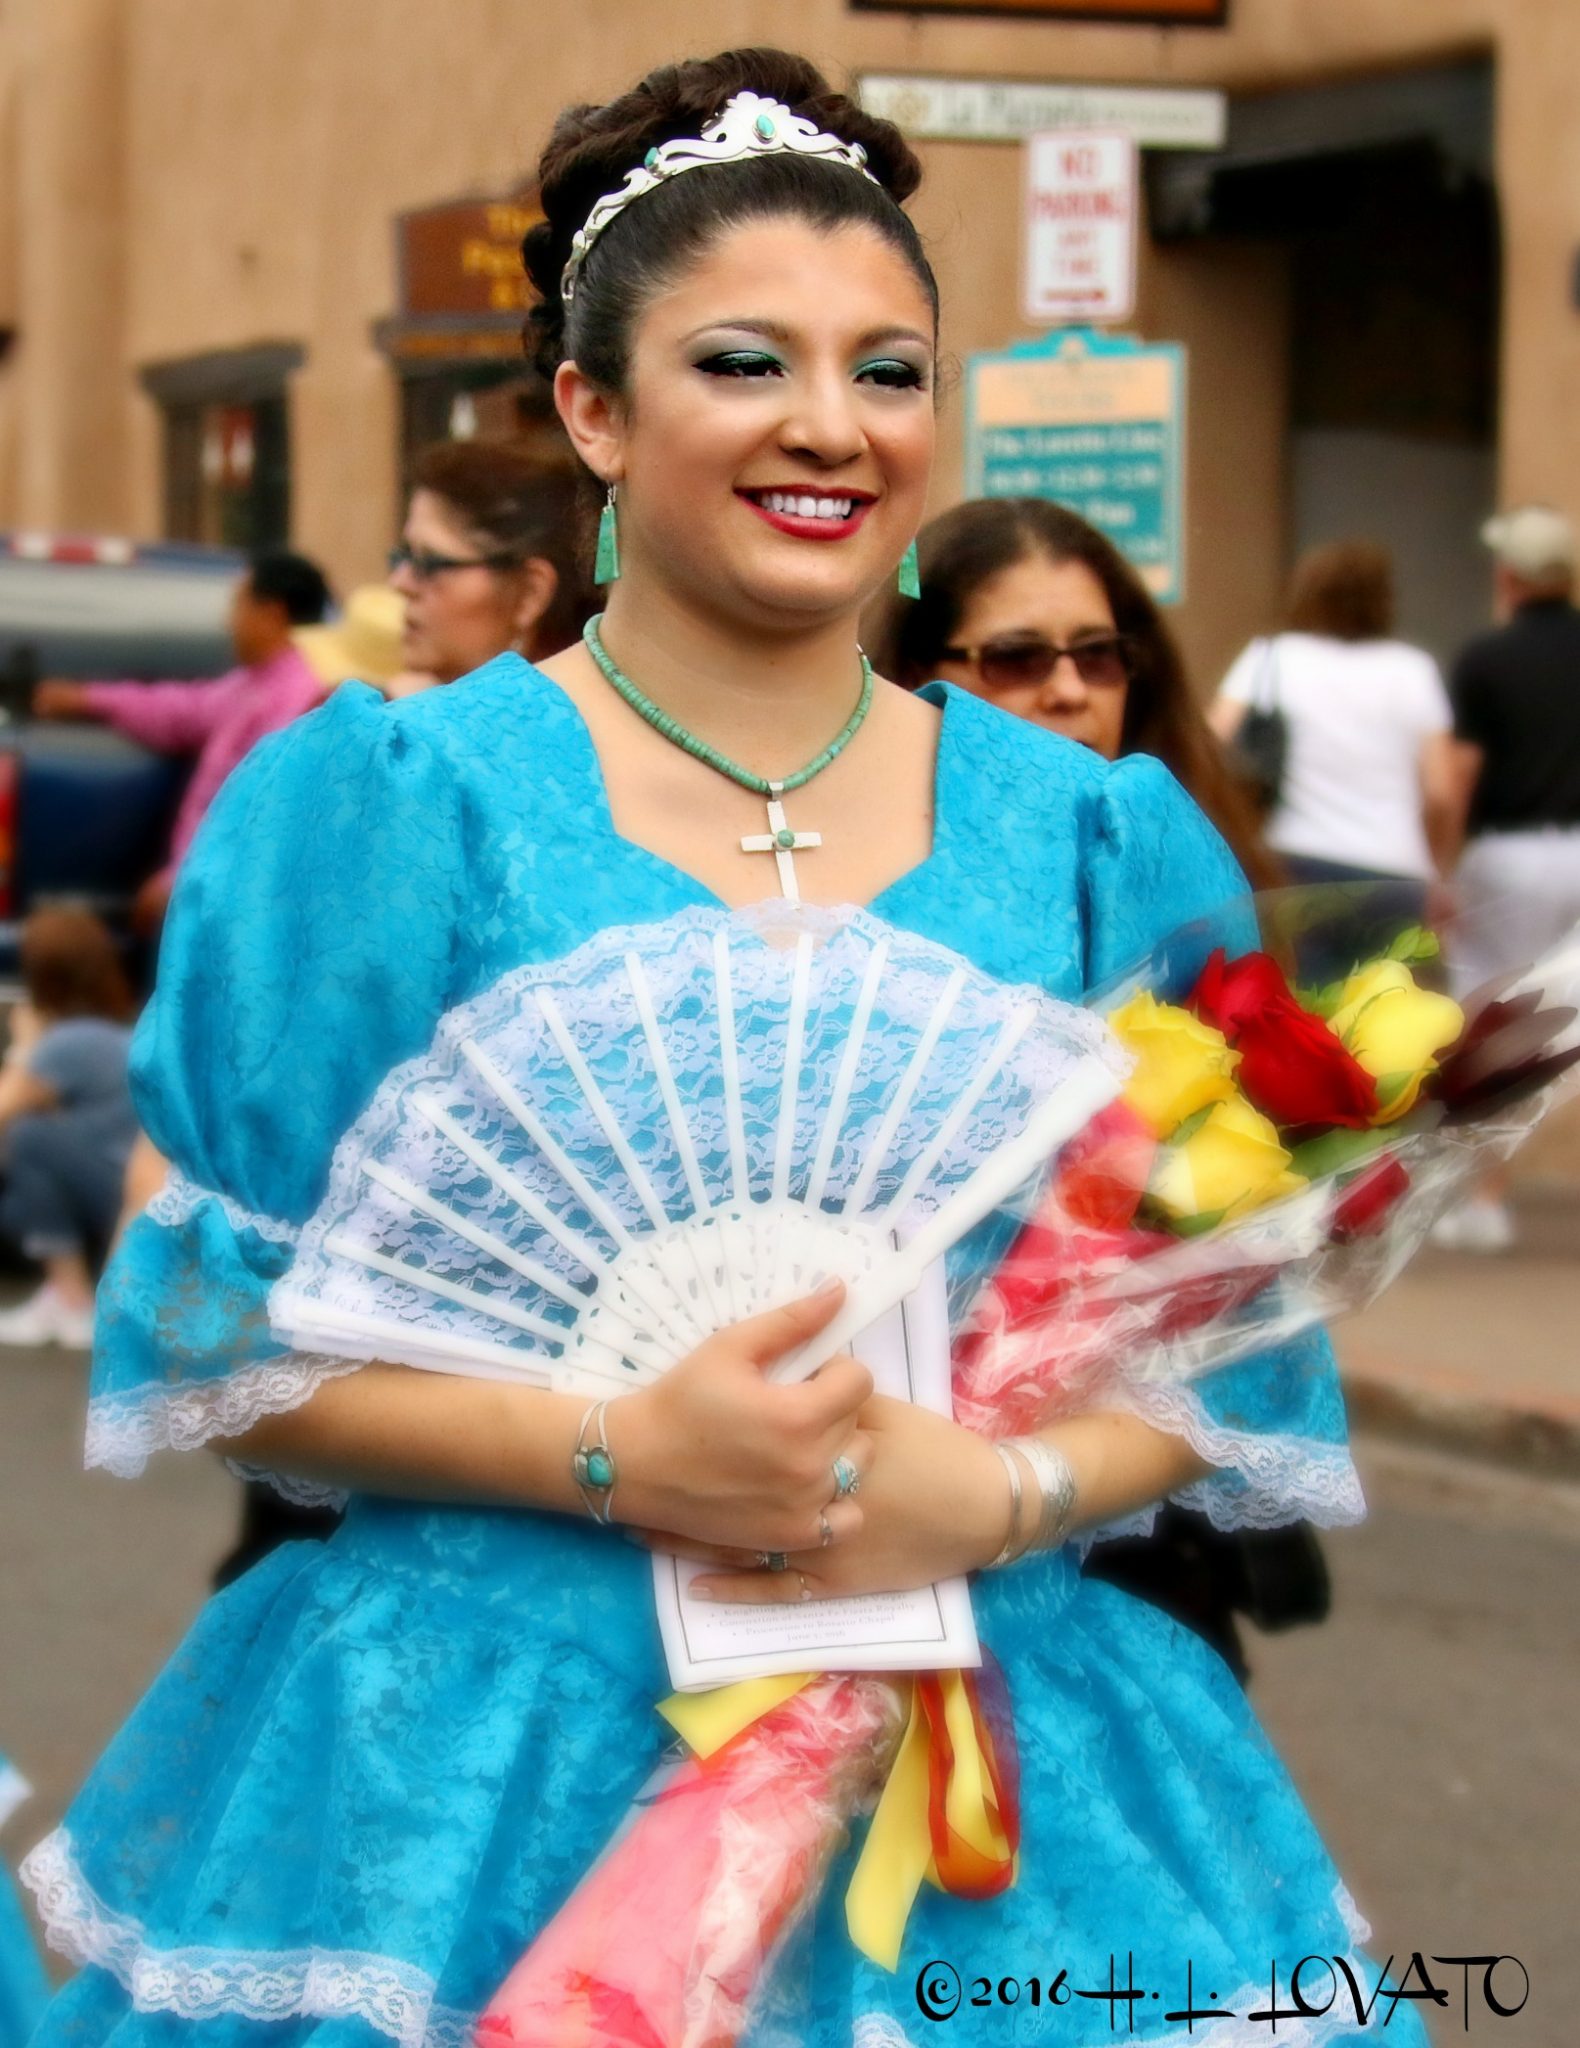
(772, 1560)
(846, 1478)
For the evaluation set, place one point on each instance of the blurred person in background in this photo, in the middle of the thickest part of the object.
(220, 721)
(1368, 791)
(1516, 696)
(66, 1120)
(490, 560)
(1025, 604)
(362, 643)
(1006, 585)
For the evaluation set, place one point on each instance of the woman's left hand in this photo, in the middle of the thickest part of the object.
(935, 1503)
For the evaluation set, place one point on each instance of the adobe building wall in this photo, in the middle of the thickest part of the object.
(194, 180)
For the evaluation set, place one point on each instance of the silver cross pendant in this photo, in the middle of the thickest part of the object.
(782, 842)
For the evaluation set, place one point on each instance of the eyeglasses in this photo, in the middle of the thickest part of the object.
(425, 564)
(1105, 662)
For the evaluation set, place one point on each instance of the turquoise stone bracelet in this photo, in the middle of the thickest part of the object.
(593, 1467)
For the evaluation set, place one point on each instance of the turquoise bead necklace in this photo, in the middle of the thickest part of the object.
(781, 840)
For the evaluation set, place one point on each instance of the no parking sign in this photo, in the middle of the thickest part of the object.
(1080, 221)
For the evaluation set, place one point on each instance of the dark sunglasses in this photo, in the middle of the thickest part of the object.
(1105, 662)
(425, 564)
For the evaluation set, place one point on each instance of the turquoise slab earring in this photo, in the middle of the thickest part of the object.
(606, 565)
(910, 578)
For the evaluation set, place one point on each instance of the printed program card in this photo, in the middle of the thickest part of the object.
(928, 1629)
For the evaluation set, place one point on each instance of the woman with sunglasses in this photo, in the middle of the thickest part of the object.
(1026, 605)
(489, 560)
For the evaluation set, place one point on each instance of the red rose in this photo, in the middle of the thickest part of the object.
(1292, 1067)
(1368, 1201)
(1103, 1170)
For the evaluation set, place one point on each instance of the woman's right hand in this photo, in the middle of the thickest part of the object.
(716, 1451)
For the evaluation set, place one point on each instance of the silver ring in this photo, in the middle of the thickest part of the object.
(772, 1560)
(846, 1478)
(826, 1529)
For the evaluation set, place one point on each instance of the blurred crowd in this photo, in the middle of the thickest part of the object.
(1332, 752)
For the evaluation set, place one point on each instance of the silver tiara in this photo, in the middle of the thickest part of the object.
(749, 126)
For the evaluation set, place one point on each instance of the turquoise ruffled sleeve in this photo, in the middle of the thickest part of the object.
(1161, 890)
(311, 946)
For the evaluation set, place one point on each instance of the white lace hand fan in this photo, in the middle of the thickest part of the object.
(601, 1162)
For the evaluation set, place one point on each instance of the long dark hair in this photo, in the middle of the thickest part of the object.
(960, 550)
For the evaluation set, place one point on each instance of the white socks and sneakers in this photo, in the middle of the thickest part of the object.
(47, 1317)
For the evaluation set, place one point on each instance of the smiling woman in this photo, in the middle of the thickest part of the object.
(378, 1768)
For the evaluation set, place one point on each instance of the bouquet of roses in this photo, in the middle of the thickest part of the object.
(1281, 1147)
(1278, 1154)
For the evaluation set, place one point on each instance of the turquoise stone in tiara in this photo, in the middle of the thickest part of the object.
(749, 126)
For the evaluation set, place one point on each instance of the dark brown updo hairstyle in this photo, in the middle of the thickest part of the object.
(1344, 591)
(651, 241)
(959, 551)
(521, 501)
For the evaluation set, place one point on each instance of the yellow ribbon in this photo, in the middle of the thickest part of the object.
(899, 1851)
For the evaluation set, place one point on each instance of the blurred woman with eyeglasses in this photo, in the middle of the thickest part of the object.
(490, 560)
(1024, 604)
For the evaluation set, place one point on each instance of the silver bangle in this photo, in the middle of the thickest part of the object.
(593, 1466)
(1013, 1542)
(1055, 1483)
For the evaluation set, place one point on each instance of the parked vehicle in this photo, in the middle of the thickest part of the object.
(84, 813)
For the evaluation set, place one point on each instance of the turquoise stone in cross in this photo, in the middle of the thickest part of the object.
(782, 841)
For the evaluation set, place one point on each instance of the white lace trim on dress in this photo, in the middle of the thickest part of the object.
(1286, 1478)
(259, 1984)
(301, 1493)
(270, 1984)
(124, 1430)
(179, 1200)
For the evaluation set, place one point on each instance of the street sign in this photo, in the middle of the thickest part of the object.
(1079, 263)
(944, 109)
(1097, 422)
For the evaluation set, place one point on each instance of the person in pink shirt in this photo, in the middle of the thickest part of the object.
(218, 721)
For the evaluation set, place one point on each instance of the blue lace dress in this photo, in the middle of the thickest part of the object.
(23, 1989)
(376, 1767)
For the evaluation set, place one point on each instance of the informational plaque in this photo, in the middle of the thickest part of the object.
(465, 258)
(1096, 422)
(461, 289)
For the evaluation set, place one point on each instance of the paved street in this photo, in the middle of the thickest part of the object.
(1429, 1723)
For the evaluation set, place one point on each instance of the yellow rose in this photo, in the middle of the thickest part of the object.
(1393, 1029)
(1231, 1162)
(1181, 1064)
